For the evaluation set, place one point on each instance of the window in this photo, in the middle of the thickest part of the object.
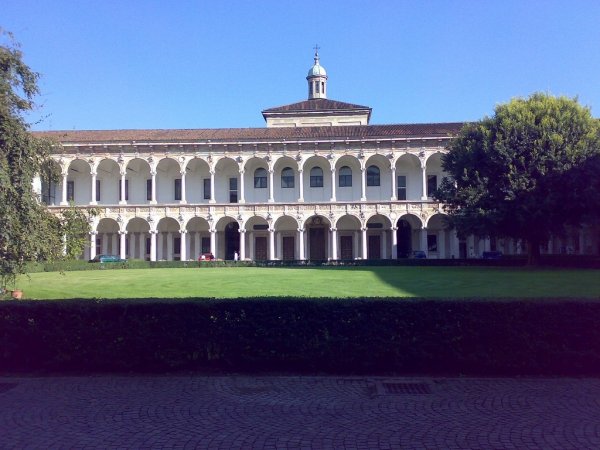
(316, 177)
(401, 187)
(177, 187)
(97, 190)
(233, 196)
(206, 182)
(287, 178)
(70, 191)
(149, 190)
(260, 178)
(345, 177)
(373, 176)
(317, 85)
(126, 190)
(431, 184)
(432, 243)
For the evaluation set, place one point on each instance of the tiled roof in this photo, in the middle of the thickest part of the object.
(316, 104)
(255, 134)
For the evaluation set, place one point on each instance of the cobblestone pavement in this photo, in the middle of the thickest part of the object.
(229, 412)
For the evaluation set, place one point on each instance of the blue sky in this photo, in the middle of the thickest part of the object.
(216, 64)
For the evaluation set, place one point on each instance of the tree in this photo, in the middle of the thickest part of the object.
(527, 172)
(27, 230)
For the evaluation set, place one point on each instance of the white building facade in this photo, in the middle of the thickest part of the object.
(317, 183)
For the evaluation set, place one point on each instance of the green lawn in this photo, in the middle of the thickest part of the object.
(441, 282)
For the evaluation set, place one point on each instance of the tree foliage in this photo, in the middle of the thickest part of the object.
(527, 172)
(27, 230)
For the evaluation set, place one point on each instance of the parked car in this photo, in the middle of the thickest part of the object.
(206, 257)
(107, 259)
(419, 254)
(492, 255)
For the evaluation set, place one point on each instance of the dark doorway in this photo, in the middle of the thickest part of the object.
(232, 239)
(260, 248)
(462, 250)
(404, 237)
(374, 248)
(317, 243)
(288, 243)
(346, 247)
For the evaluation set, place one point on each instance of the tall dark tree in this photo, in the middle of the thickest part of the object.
(527, 172)
(27, 230)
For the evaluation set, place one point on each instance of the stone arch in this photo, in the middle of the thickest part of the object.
(107, 237)
(409, 173)
(168, 170)
(408, 231)
(257, 238)
(379, 238)
(79, 187)
(138, 238)
(383, 191)
(253, 193)
(318, 240)
(286, 238)
(197, 181)
(348, 193)
(317, 194)
(281, 193)
(227, 169)
(228, 237)
(434, 171)
(198, 239)
(168, 239)
(108, 178)
(439, 237)
(348, 235)
(138, 178)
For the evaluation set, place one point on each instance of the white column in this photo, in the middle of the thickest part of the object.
(487, 245)
(63, 201)
(142, 244)
(301, 185)
(93, 199)
(114, 243)
(122, 200)
(242, 244)
(279, 246)
(271, 198)
(153, 201)
(183, 251)
(301, 244)
(271, 244)
(212, 187)
(183, 197)
(384, 245)
(333, 183)
(394, 242)
(334, 252)
(364, 242)
(169, 246)
(424, 171)
(93, 244)
(159, 253)
(363, 184)
(442, 244)
(251, 254)
(196, 245)
(355, 245)
(423, 239)
(213, 241)
(242, 198)
(131, 246)
(394, 190)
(454, 244)
(123, 244)
(152, 245)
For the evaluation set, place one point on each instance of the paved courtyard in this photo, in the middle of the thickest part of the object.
(228, 412)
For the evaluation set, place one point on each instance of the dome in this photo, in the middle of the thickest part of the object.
(317, 71)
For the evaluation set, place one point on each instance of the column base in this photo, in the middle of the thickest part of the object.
(152, 202)
(212, 201)
(63, 204)
(122, 202)
(182, 202)
(93, 203)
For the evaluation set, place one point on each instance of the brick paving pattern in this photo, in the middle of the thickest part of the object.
(184, 412)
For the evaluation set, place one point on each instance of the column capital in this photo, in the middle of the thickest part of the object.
(182, 172)
(93, 173)
(93, 233)
(394, 228)
(334, 229)
(271, 230)
(212, 171)
(153, 173)
(122, 232)
(241, 230)
(153, 231)
(363, 229)
(123, 172)
(300, 230)
(183, 231)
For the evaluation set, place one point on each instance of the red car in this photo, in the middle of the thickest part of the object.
(206, 257)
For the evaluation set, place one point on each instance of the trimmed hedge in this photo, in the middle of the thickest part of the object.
(387, 336)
